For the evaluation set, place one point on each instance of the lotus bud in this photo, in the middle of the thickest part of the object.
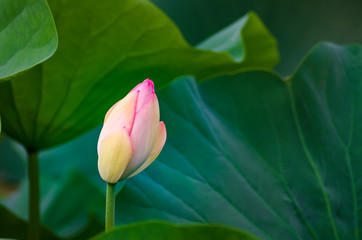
(132, 135)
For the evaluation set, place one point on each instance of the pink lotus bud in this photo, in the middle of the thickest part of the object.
(132, 135)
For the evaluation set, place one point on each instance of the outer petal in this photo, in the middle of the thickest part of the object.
(144, 133)
(114, 155)
(160, 142)
(111, 110)
(145, 89)
(121, 115)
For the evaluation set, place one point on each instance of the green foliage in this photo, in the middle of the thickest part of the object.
(103, 52)
(16, 228)
(162, 230)
(276, 157)
(284, 166)
(287, 159)
(27, 35)
(144, 231)
(297, 25)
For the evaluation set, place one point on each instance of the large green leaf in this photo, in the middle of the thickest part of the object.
(280, 159)
(277, 158)
(162, 230)
(103, 52)
(297, 25)
(27, 35)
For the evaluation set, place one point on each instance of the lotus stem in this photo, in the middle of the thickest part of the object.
(110, 206)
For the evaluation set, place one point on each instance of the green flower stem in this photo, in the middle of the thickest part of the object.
(110, 206)
(34, 216)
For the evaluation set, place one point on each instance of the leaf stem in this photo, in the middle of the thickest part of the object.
(34, 209)
(110, 206)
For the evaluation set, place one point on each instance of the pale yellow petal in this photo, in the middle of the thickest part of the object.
(114, 155)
